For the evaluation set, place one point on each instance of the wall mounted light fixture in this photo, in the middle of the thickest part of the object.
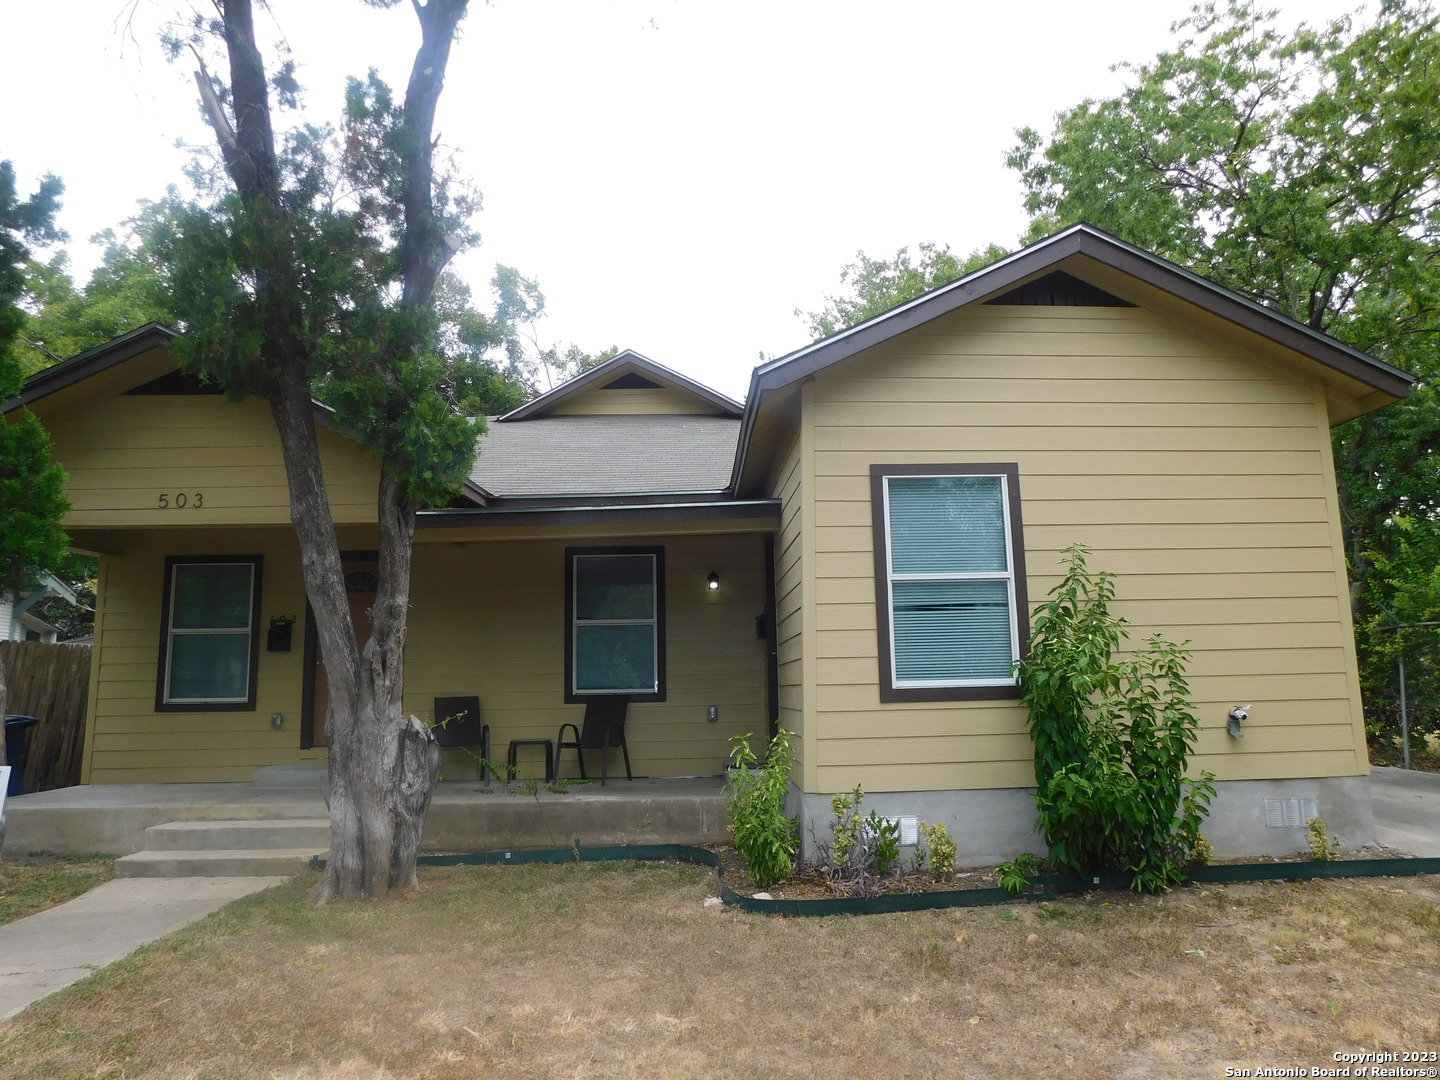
(713, 581)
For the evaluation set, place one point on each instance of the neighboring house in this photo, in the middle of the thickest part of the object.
(877, 520)
(18, 619)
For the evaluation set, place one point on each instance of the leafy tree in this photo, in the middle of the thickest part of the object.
(877, 285)
(314, 272)
(32, 499)
(1303, 170)
(126, 290)
(519, 307)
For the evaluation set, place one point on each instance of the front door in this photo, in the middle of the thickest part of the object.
(360, 585)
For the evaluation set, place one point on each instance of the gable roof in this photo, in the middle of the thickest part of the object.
(91, 362)
(618, 366)
(1067, 249)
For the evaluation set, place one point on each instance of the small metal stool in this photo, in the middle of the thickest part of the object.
(548, 744)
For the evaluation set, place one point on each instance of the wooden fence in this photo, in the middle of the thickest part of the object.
(53, 683)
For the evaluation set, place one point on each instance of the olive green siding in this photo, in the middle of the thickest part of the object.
(487, 619)
(1198, 472)
(490, 620)
(135, 459)
(127, 741)
(659, 400)
(789, 597)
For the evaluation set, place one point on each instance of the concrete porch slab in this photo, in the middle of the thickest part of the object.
(465, 815)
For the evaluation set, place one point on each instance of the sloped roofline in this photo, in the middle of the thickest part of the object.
(92, 361)
(1037, 258)
(631, 358)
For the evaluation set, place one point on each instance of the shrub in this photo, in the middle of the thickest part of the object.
(1111, 738)
(755, 800)
(940, 849)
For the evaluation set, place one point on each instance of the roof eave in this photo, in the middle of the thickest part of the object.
(546, 400)
(998, 277)
(91, 362)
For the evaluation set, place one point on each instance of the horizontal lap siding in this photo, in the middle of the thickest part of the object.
(1197, 475)
(485, 619)
(488, 620)
(786, 486)
(661, 400)
(122, 454)
(127, 740)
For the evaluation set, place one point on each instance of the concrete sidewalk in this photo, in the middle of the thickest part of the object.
(1407, 810)
(42, 953)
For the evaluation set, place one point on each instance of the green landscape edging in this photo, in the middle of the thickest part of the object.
(1043, 887)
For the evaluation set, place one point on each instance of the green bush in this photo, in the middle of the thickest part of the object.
(755, 800)
(1111, 738)
(939, 849)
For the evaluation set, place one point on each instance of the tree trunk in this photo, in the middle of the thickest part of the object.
(382, 767)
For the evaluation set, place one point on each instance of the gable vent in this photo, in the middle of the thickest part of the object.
(631, 380)
(1059, 289)
(178, 381)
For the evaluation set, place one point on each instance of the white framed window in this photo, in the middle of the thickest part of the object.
(615, 623)
(209, 639)
(949, 580)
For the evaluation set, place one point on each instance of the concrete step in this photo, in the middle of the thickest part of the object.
(217, 862)
(305, 775)
(258, 834)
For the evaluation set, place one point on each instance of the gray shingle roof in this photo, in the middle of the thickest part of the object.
(606, 455)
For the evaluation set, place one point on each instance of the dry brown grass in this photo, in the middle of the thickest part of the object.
(618, 971)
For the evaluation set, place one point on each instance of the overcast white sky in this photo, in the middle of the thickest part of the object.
(679, 175)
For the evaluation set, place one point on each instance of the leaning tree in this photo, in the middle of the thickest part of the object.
(308, 269)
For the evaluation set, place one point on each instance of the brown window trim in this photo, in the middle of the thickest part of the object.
(162, 667)
(571, 697)
(889, 692)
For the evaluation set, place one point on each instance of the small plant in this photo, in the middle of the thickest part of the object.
(940, 848)
(755, 800)
(863, 850)
(847, 823)
(1015, 875)
(882, 838)
(1201, 852)
(1323, 847)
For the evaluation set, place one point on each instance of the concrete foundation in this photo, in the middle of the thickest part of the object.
(1247, 817)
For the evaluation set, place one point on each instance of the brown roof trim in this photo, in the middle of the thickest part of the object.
(1037, 258)
(627, 358)
(600, 515)
(91, 362)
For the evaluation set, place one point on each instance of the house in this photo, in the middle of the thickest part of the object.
(854, 550)
(18, 621)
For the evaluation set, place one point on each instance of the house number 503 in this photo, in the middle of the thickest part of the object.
(181, 500)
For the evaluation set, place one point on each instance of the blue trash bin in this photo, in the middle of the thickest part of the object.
(17, 743)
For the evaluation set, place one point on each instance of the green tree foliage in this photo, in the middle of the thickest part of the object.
(1301, 169)
(32, 496)
(1112, 737)
(32, 499)
(519, 307)
(311, 269)
(877, 285)
(126, 290)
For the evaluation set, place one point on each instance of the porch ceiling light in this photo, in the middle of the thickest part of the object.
(713, 581)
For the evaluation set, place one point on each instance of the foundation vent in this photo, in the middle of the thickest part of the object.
(1290, 813)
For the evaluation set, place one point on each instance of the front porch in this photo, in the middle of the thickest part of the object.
(465, 815)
